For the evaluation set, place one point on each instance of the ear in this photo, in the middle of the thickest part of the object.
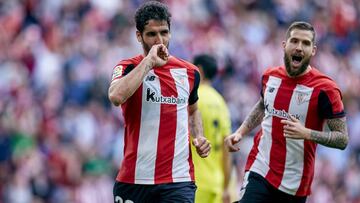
(283, 44)
(314, 51)
(138, 36)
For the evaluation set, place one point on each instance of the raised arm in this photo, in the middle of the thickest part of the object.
(123, 88)
(252, 120)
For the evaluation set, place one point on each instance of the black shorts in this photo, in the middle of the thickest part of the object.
(170, 192)
(258, 190)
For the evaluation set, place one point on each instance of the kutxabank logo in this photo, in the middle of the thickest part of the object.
(279, 113)
(153, 97)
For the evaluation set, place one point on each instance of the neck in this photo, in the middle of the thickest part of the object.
(303, 73)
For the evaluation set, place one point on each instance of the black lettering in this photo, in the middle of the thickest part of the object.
(150, 95)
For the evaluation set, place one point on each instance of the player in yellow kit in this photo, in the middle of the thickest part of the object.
(212, 174)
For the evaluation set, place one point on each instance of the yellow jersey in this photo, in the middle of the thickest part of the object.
(216, 122)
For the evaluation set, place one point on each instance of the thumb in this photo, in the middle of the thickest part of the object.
(236, 139)
(195, 142)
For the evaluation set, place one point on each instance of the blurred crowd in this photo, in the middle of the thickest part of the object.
(61, 139)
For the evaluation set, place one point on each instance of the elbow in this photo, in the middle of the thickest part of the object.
(345, 143)
(116, 99)
(342, 147)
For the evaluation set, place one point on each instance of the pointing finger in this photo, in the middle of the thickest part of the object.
(292, 117)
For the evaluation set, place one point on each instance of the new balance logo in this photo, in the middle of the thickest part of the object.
(152, 97)
(150, 78)
(271, 89)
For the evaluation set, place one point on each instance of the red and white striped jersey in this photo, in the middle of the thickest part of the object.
(157, 146)
(288, 164)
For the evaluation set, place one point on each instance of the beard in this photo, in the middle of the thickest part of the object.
(147, 47)
(295, 72)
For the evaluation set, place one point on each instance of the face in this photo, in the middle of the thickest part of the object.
(155, 32)
(298, 50)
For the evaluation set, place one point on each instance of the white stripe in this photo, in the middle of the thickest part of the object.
(262, 161)
(149, 133)
(295, 148)
(181, 168)
(244, 185)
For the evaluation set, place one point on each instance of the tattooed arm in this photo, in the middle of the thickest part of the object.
(252, 120)
(336, 138)
(200, 142)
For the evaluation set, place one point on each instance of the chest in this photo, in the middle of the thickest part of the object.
(170, 86)
(282, 97)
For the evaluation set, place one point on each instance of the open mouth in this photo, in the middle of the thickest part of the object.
(296, 59)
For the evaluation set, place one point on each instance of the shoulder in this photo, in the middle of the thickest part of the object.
(182, 63)
(206, 91)
(278, 72)
(274, 71)
(323, 81)
(134, 60)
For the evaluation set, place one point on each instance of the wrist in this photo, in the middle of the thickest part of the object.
(239, 133)
(149, 62)
(307, 134)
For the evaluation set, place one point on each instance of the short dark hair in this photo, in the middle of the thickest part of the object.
(208, 64)
(301, 25)
(151, 10)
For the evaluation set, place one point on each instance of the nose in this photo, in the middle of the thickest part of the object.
(158, 39)
(298, 47)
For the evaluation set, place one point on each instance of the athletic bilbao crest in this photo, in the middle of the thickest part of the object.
(300, 98)
(180, 79)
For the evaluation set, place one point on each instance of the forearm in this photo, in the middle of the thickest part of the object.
(123, 88)
(226, 167)
(336, 138)
(195, 123)
(253, 119)
(332, 139)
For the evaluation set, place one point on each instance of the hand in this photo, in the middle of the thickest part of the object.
(202, 146)
(226, 196)
(231, 141)
(294, 129)
(158, 55)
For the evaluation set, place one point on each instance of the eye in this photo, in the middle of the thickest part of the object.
(151, 34)
(307, 43)
(294, 40)
(165, 32)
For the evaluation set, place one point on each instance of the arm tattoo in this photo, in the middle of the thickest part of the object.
(336, 138)
(195, 122)
(256, 115)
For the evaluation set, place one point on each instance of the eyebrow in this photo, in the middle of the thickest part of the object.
(296, 38)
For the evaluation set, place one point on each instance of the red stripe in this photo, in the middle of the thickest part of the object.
(278, 147)
(254, 151)
(191, 79)
(132, 118)
(167, 129)
(311, 122)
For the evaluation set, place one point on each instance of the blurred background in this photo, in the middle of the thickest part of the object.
(60, 138)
